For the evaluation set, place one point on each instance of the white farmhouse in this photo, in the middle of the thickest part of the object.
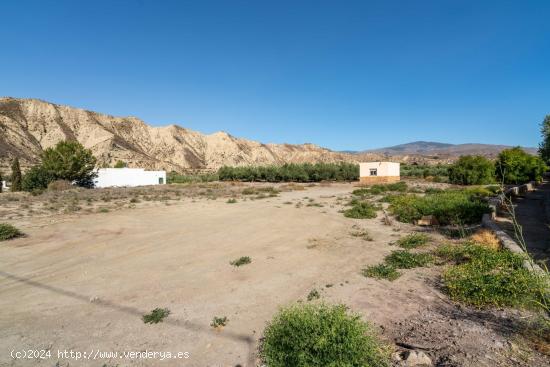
(120, 177)
(378, 172)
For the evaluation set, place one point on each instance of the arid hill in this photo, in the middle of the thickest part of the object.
(28, 126)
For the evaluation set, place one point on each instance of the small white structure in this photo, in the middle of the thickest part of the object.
(378, 172)
(120, 177)
(4, 186)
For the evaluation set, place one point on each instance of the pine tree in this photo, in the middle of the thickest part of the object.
(15, 176)
(544, 146)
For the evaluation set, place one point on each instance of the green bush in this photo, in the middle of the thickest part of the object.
(361, 210)
(400, 186)
(407, 260)
(7, 232)
(412, 170)
(176, 178)
(156, 316)
(449, 207)
(291, 172)
(472, 170)
(515, 166)
(381, 271)
(243, 260)
(320, 336)
(486, 277)
(37, 178)
(218, 322)
(413, 240)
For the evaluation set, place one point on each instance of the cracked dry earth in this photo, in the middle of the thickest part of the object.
(84, 280)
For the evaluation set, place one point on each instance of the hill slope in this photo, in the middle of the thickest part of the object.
(28, 126)
(444, 150)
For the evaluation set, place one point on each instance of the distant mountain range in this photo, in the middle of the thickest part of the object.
(444, 150)
(28, 126)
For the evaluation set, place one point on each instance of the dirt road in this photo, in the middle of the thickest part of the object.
(532, 214)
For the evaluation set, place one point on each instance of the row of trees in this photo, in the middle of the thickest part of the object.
(513, 166)
(291, 172)
(68, 160)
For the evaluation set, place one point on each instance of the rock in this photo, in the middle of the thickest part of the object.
(417, 358)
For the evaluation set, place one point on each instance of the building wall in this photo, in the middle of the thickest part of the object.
(386, 172)
(113, 177)
(371, 180)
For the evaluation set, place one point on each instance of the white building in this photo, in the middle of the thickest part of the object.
(120, 177)
(378, 172)
(4, 186)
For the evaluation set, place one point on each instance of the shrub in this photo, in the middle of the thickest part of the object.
(407, 260)
(319, 336)
(176, 178)
(7, 232)
(156, 316)
(243, 260)
(361, 192)
(292, 172)
(37, 178)
(472, 170)
(313, 295)
(381, 271)
(361, 210)
(448, 207)
(120, 164)
(492, 278)
(414, 170)
(413, 240)
(515, 166)
(218, 322)
(231, 201)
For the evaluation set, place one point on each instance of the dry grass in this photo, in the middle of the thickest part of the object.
(486, 238)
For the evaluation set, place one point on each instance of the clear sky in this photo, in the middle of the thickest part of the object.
(348, 75)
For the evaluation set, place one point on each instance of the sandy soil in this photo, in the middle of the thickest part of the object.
(82, 281)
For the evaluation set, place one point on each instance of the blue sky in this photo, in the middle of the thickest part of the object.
(348, 75)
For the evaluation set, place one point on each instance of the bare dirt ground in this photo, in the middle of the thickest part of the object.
(81, 279)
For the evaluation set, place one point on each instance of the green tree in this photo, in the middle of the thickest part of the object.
(15, 175)
(544, 146)
(472, 170)
(515, 166)
(70, 161)
(1, 184)
(120, 164)
(37, 178)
